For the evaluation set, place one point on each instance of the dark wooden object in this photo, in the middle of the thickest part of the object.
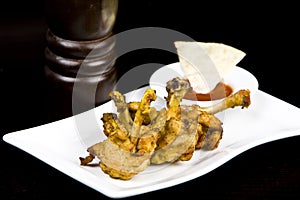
(79, 58)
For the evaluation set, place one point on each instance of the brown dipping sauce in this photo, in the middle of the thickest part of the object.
(220, 91)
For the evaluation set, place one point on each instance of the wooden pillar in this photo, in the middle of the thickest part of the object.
(79, 58)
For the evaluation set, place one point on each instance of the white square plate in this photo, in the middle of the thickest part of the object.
(61, 143)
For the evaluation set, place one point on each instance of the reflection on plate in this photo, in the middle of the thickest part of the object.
(238, 79)
(61, 143)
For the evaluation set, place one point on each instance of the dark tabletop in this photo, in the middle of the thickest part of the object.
(268, 33)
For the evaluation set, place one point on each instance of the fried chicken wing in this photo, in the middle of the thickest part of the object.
(129, 144)
(210, 130)
(116, 132)
(140, 135)
(179, 139)
(173, 145)
(176, 89)
(240, 98)
(133, 107)
(141, 114)
(148, 140)
(117, 162)
(123, 113)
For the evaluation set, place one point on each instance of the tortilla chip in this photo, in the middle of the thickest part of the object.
(205, 64)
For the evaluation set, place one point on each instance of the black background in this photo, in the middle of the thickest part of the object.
(268, 33)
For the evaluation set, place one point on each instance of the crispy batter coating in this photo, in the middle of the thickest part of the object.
(177, 89)
(123, 113)
(115, 132)
(133, 107)
(179, 139)
(130, 143)
(139, 135)
(117, 162)
(141, 114)
(151, 133)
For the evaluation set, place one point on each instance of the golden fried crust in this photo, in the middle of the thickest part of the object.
(210, 131)
(115, 173)
(201, 136)
(133, 107)
(179, 139)
(210, 121)
(109, 124)
(117, 162)
(113, 130)
(144, 107)
(171, 131)
(147, 141)
(188, 154)
(240, 98)
(142, 112)
(176, 88)
(212, 140)
(190, 151)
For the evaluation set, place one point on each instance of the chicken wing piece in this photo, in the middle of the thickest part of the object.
(120, 102)
(179, 139)
(117, 162)
(176, 89)
(116, 131)
(140, 135)
(141, 114)
(210, 131)
(239, 98)
(126, 153)
(151, 133)
(133, 107)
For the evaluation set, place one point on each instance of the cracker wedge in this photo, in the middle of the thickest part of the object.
(206, 64)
